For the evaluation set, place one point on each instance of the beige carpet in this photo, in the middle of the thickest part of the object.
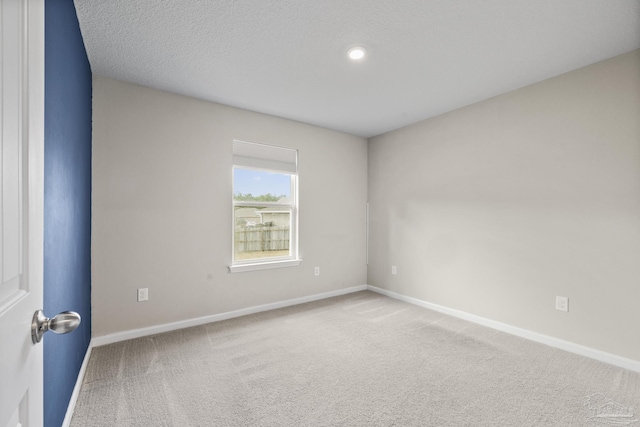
(358, 360)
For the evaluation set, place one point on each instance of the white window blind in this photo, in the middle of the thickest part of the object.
(261, 156)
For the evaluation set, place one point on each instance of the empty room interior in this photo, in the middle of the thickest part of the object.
(289, 213)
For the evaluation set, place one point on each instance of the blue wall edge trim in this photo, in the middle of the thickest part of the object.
(76, 389)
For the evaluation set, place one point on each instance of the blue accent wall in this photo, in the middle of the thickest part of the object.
(67, 202)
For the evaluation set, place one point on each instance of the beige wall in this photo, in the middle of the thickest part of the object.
(493, 209)
(496, 208)
(162, 208)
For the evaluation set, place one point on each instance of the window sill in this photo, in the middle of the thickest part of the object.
(239, 268)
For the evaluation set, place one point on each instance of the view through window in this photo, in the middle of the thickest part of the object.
(264, 205)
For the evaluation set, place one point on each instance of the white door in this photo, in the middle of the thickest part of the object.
(21, 202)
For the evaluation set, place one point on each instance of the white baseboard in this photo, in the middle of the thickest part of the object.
(157, 329)
(612, 359)
(76, 389)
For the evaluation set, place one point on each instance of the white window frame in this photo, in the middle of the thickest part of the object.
(267, 158)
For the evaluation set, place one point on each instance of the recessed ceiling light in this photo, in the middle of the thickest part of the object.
(357, 53)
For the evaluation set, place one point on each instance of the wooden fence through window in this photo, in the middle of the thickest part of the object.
(261, 239)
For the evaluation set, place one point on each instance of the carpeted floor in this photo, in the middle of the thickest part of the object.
(358, 360)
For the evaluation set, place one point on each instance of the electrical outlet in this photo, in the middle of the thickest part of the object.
(394, 270)
(316, 271)
(562, 303)
(143, 294)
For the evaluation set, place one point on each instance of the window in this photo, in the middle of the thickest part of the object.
(265, 210)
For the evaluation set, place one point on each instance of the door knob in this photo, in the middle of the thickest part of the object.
(63, 323)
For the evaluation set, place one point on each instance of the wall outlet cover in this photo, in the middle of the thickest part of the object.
(562, 303)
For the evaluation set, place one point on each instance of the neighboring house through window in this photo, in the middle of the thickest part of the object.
(265, 206)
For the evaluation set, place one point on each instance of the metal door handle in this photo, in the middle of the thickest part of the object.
(63, 323)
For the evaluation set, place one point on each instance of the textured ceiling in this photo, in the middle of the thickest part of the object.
(288, 57)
